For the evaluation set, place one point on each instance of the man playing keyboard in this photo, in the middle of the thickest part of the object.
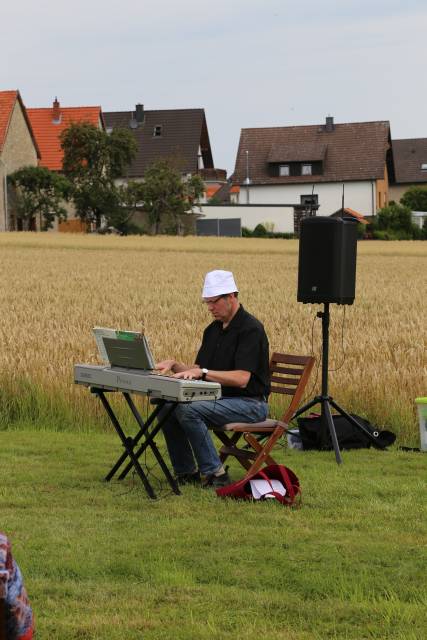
(234, 352)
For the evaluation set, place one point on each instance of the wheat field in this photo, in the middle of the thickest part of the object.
(54, 288)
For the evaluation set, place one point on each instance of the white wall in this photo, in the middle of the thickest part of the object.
(282, 217)
(359, 196)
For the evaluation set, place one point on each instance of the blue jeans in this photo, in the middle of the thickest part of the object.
(187, 436)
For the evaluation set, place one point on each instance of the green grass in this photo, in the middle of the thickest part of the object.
(101, 560)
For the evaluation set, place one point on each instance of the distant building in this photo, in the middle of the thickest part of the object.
(410, 166)
(178, 135)
(350, 213)
(311, 165)
(18, 148)
(48, 123)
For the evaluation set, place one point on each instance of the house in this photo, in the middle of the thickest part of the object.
(178, 135)
(18, 148)
(48, 123)
(410, 166)
(314, 165)
(350, 213)
(214, 180)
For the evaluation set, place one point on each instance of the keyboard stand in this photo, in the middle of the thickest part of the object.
(129, 443)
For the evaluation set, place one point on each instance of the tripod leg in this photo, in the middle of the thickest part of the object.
(306, 407)
(326, 412)
(354, 422)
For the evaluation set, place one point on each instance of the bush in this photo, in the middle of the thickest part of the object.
(247, 233)
(394, 222)
(260, 231)
(415, 198)
(390, 234)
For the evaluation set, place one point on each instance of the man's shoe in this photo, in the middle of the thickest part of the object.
(216, 481)
(189, 478)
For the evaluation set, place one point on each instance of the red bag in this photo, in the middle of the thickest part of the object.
(242, 488)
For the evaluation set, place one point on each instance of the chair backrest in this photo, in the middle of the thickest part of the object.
(289, 375)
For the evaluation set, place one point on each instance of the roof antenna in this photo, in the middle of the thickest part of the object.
(342, 202)
(312, 202)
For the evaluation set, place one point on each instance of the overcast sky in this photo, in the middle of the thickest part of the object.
(248, 63)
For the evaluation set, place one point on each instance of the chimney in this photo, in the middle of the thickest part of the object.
(56, 112)
(139, 113)
(329, 126)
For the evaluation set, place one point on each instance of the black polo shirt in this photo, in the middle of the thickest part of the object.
(243, 345)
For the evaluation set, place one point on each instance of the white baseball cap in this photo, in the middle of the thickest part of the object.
(218, 283)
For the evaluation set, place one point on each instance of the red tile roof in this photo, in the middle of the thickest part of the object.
(211, 189)
(7, 102)
(48, 124)
(349, 212)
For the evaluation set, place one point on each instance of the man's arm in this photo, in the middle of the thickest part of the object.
(238, 378)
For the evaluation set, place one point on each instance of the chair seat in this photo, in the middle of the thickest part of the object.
(288, 376)
(264, 426)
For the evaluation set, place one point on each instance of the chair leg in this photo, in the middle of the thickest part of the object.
(263, 452)
(255, 445)
(227, 441)
(230, 449)
(230, 443)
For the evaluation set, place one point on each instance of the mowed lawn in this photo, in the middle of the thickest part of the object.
(101, 560)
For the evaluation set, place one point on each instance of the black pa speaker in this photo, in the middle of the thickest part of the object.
(327, 260)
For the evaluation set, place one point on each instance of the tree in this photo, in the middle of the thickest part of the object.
(92, 161)
(131, 196)
(394, 222)
(40, 192)
(415, 198)
(167, 198)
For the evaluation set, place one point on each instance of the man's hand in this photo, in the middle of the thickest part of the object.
(164, 366)
(190, 374)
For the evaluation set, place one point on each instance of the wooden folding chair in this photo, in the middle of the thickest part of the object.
(289, 375)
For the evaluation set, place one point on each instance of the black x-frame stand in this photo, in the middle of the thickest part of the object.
(325, 400)
(133, 450)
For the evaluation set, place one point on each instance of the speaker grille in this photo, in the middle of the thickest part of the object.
(327, 260)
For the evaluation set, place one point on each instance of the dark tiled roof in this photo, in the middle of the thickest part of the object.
(303, 152)
(354, 151)
(408, 156)
(182, 132)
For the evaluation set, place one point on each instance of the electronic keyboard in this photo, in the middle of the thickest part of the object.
(145, 383)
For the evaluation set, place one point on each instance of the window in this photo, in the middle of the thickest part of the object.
(284, 170)
(306, 170)
(424, 166)
(309, 200)
(157, 131)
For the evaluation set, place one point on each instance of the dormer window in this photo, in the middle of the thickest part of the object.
(424, 166)
(306, 170)
(284, 170)
(157, 133)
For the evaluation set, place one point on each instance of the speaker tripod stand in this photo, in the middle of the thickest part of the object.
(325, 400)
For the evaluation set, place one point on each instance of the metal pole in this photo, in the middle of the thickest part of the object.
(325, 351)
